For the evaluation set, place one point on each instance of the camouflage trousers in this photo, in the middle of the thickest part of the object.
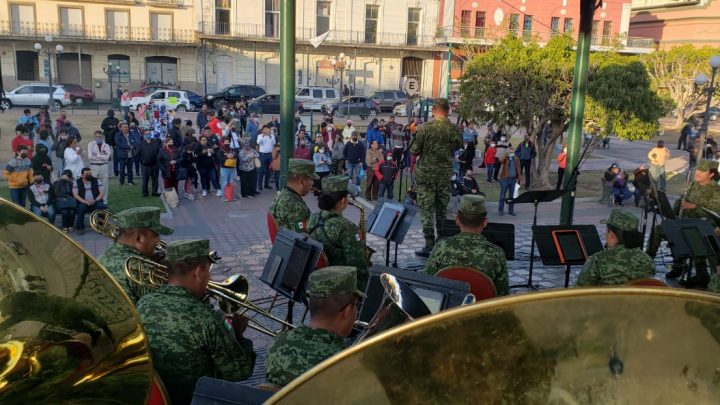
(433, 199)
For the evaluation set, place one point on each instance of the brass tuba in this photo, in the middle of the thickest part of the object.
(363, 231)
(231, 294)
(105, 223)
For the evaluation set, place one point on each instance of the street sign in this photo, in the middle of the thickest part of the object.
(411, 86)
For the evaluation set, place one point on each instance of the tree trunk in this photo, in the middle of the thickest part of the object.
(679, 119)
(545, 146)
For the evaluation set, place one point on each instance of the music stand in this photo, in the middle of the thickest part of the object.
(391, 220)
(691, 238)
(535, 197)
(566, 245)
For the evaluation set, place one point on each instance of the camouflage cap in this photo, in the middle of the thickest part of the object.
(623, 220)
(335, 183)
(472, 204)
(303, 166)
(187, 249)
(142, 217)
(705, 165)
(333, 280)
(442, 103)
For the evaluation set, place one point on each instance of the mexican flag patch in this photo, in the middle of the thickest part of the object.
(358, 237)
(301, 226)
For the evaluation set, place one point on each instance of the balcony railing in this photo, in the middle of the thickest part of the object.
(344, 37)
(97, 32)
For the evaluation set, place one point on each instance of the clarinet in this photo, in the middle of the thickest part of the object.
(684, 199)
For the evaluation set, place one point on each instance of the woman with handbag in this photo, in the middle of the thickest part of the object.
(248, 170)
(169, 162)
(65, 203)
(226, 157)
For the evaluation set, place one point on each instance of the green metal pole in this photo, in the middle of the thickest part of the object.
(287, 84)
(449, 75)
(577, 109)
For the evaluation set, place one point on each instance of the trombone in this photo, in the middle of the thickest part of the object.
(105, 223)
(231, 294)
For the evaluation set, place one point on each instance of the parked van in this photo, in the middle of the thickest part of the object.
(313, 98)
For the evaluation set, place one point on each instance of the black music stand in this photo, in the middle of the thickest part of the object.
(390, 220)
(691, 238)
(535, 197)
(557, 248)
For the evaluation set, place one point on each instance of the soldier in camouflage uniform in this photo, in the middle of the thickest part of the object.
(470, 248)
(342, 242)
(288, 207)
(187, 338)
(139, 233)
(434, 145)
(623, 260)
(704, 192)
(333, 299)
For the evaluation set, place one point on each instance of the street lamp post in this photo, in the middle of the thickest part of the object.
(341, 65)
(109, 71)
(702, 80)
(49, 53)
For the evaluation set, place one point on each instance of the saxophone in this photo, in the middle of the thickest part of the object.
(368, 251)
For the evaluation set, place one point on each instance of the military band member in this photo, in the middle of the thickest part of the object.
(342, 242)
(623, 260)
(703, 193)
(333, 303)
(139, 233)
(434, 145)
(470, 248)
(288, 207)
(187, 338)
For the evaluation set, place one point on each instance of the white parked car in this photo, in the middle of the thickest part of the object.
(36, 94)
(314, 98)
(172, 99)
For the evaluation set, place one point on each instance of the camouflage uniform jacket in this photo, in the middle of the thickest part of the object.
(435, 143)
(113, 259)
(473, 250)
(616, 266)
(707, 196)
(342, 242)
(297, 351)
(189, 340)
(290, 211)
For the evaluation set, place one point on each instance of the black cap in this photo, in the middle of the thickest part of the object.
(22, 128)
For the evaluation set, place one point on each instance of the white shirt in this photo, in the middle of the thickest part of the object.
(265, 143)
(73, 162)
(99, 154)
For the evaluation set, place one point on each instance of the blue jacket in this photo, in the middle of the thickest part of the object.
(374, 134)
(525, 151)
(135, 136)
(201, 120)
(123, 145)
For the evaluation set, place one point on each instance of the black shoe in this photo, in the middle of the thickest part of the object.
(424, 252)
(676, 272)
(131, 183)
(145, 194)
(156, 194)
(697, 281)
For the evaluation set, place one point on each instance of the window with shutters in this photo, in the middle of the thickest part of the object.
(71, 21)
(372, 15)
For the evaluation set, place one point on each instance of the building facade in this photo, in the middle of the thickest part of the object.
(206, 45)
(676, 22)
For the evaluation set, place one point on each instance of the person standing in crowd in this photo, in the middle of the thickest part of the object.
(397, 143)
(333, 300)
(59, 149)
(214, 124)
(89, 192)
(265, 143)
(348, 131)
(623, 259)
(42, 164)
(338, 155)
(684, 135)
(205, 165)
(42, 199)
(187, 165)
(341, 239)
(132, 119)
(174, 132)
(470, 134)
(288, 207)
(303, 151)
(136, 138)
(169, 159)
(149, 152)
(65, 203)
(562, 163)
(489, 160)
(526, 153)
(201, 118)
(72, 156)
(641, 181)
(322, 160)
(226, 159)
(275, 166)
(373, 133)
(60, 121)
(125, 104)
(71, 129)
(139, 231)
(484, 255)
(502, 145)
(509, 176)
(658, 156)
(99, 157)
(188, 339)
(45, 139)
(467, 156)
(372, 158)
(434, 145)
(109, 127)
(19, 174)
(22, 137)
(252, 129)
(385, 173)
(124, 148)
(319, 143)
(248, 171)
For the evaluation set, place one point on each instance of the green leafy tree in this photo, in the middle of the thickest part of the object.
(528, 87)
(673, 73)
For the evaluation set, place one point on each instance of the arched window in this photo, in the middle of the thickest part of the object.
(123, 76)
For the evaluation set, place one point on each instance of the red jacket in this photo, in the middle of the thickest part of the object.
(490, 155)
(214, 125)
(18, 140)
(562, 160)
(389, 168)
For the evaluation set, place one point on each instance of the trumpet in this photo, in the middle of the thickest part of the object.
(231, 294)
(105, 223)
(368, 251)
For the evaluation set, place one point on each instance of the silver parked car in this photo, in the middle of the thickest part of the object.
(388, 99)
(36, 94)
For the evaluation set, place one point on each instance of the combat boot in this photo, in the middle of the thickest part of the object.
(425, 251)
(700, 280)
(678, 268)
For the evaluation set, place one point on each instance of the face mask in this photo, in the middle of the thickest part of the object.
(38, 181)
(354, 140)
(148, 136)
(389, 158)
(226, 144)
(322, 150)
(492, 145)
(99, 141)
